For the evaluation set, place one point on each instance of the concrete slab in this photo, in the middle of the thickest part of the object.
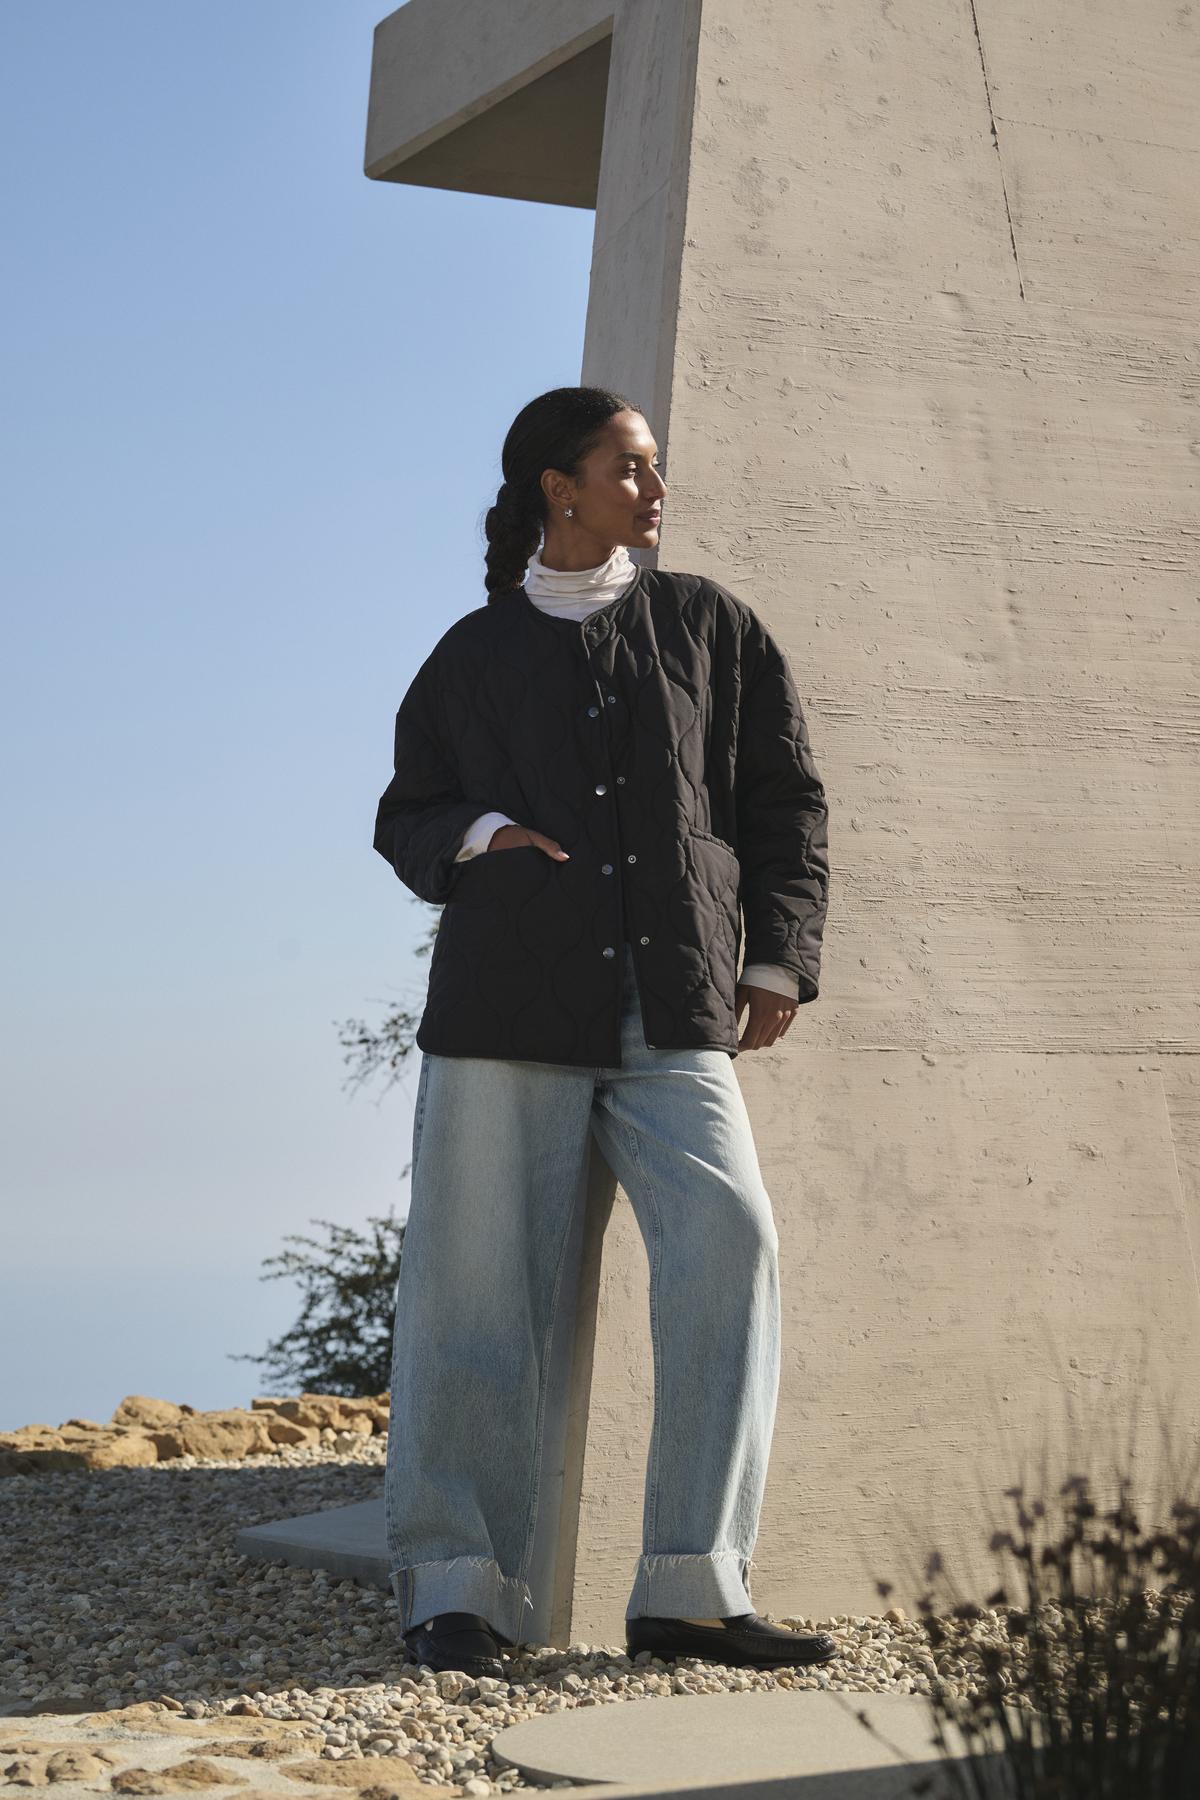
(774, 1742)
(348, 1541)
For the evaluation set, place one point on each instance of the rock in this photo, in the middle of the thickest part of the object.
(285, 1431)
(223, 1436)
(145, 1429)
(355, 1424)
(134, 1717)
(312, 1409)
(119, 1450)
(390, 1774)
(241, 1729)
(364, 1415)
(79, 1445)
(26, 1771)
(270, 1749)
(76, 1764)
(33, 1447)
(142, 1409)
(185, 1777)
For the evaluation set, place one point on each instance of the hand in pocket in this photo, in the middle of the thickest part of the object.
(512, 837)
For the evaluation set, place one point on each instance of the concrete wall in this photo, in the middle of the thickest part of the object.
(909, 296)
(928, 403)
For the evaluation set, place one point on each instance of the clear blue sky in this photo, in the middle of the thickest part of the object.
(254, 406)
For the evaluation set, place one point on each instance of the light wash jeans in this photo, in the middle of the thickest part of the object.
(500, 1151)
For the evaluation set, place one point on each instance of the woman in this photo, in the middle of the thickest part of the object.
(597, 773)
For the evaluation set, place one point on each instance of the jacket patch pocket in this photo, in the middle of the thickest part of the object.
(482, 879)
(717, 873)
(706, 837)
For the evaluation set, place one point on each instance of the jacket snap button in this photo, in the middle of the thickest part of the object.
(631, 859)
(606, 869)
(620, 781)
(612, 699)
(601, 788)
(593, 712)
(609, 951)
(643, 940)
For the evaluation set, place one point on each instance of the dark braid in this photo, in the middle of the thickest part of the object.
(555, 431)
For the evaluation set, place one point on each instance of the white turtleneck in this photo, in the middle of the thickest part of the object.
(574, 594)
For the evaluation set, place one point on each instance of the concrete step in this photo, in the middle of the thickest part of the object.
(349, 1541)
(770, 1744)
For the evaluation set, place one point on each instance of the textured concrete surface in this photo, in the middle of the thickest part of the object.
(752, 1737)
(908, 298)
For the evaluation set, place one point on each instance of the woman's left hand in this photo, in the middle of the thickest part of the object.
(770, 1015)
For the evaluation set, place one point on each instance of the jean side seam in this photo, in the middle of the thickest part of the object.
(535, 1479)
(655, 1335)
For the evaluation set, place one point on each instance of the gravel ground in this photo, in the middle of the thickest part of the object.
(123, 1586)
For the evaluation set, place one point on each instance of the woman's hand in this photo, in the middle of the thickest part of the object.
(511, 837)
(770, 1015)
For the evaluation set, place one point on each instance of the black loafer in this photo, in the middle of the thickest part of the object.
(461, 1641)
(746, 1642)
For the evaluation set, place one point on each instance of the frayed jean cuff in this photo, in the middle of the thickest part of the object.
(714, 1586)
(474, 1584)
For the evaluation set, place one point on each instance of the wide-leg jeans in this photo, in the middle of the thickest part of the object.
(499, 1160)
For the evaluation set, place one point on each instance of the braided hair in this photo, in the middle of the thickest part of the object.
(554, 431)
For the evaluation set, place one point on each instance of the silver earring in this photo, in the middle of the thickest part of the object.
(570, 512)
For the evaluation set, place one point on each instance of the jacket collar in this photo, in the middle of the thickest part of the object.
(602, 615)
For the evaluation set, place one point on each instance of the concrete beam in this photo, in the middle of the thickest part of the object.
(505, 100)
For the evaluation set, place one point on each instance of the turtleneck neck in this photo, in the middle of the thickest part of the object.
(573, 593)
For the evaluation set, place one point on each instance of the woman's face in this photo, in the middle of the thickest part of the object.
(618, 494)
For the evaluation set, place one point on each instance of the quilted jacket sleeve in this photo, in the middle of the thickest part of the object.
(781, 814)
(423, 812)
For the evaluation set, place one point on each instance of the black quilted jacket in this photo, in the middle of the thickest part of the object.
(661, 742)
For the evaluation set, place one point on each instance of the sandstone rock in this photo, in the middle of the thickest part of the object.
(29, 1437)
(118, 1450)
(142, 1409)
(77, 1763)
(364, 1415)
(390, 1774)
(269, 1749)
(283, 1431)
(236, 1732)
(185, 1777)
(32, 1455)
(199, 1772)
(134, 1717)
(224, 1435)
(80, 1444)
(312, 1409)
(144, 1429)
(25, 1771)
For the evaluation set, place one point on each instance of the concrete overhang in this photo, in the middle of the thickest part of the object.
(485, 99)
